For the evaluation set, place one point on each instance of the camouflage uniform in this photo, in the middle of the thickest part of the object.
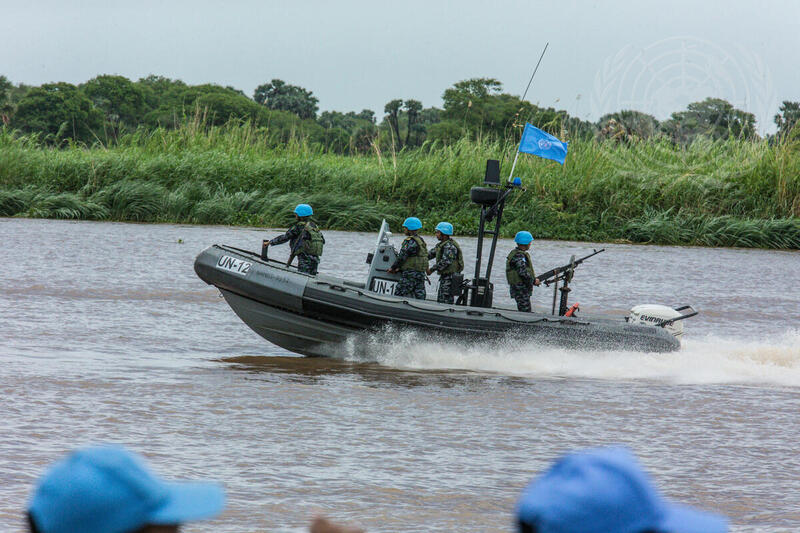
(412, 261)
(449, 261)
(520, 275)
(307, 263)
(300, 238)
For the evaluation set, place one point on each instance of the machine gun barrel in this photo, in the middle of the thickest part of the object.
(552, 275)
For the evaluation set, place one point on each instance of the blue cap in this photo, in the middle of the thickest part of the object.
(517, 182)
(412, 223)
(523, 237)
(303, 210)
(604, 490)
(107, 489)
(445, 227)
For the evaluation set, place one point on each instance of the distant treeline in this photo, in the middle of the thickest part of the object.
(158, 150)
(105, 108)
(730, 192)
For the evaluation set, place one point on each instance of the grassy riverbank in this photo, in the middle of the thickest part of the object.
(732, 193)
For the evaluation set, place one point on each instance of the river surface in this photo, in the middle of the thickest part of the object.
(107, 335)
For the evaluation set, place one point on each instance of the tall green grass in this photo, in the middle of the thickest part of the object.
(726, 193)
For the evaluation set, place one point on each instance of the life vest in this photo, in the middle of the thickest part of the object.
(418, 262)
(512, 275)
(455, 266)
(314, 241)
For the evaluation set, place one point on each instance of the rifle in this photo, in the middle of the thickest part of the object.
(562, 272)
(295, 250)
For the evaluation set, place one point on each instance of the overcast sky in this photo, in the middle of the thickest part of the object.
(653, 56)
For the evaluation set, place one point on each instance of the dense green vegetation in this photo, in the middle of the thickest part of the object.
(159, 150)
(106, 107)
(722, 193)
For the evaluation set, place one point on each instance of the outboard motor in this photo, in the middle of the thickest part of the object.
(379, 280)
(663, 316)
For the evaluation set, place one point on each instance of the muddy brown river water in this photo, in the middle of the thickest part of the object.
(107, 335)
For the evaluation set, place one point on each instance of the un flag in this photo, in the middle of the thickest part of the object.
(537, 142)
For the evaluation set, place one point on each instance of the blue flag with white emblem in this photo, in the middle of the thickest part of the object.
(537, 142)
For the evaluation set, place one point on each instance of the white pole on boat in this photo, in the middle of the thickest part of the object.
(513, 165)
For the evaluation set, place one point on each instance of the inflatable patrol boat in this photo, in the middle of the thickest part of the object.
(326, 316)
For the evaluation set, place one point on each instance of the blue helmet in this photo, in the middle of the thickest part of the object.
(412, 223)
(605, 489)
(303, 210)
(523, 237)
(445, 227)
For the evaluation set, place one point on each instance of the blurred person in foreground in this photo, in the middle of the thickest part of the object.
(107, 489)
(605, 490)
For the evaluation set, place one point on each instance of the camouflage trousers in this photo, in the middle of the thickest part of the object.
(445, 294)
(307, 263)
(412, 283)
(521, 293)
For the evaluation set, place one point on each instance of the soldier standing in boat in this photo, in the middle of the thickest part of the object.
(305, 238)
(449, 261)
(519, 271)
(412, 262)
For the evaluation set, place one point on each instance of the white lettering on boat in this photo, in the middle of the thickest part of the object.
(383, 286)
(237, 266)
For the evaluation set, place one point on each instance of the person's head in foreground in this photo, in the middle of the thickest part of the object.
(605, 490)
(107, 489)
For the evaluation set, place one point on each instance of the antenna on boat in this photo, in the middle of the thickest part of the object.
(478, 292)
(516, 117)
(534, 73)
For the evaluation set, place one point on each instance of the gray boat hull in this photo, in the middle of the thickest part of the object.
(326, 316)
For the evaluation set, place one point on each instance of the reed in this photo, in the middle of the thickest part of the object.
(725, 193)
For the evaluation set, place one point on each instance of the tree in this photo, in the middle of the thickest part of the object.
(5, 88)
(121, 100)
(6, 109)
(467, 100)
(366, 114)
(627, 125)
(156, 88)
(220, 107)
(348, 122)
(468, 93)
(445, 132)
(714, 118)
(787, 119)
(180, 101)
(392, 110)
(412, 108)
(59, 110)
(479, 105)
(279, 95)
(364, 138)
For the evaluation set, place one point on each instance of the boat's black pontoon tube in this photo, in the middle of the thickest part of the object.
(321, 315)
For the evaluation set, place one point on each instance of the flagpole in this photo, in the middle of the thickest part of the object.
(513, 165)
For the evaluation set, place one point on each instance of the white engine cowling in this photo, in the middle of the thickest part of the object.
(652, 314)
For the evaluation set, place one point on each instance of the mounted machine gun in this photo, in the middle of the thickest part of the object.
(564, 275)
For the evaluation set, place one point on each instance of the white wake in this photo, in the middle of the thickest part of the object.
(700, 361)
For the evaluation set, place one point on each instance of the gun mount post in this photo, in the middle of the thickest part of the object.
(567, 278)
(555, 295)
